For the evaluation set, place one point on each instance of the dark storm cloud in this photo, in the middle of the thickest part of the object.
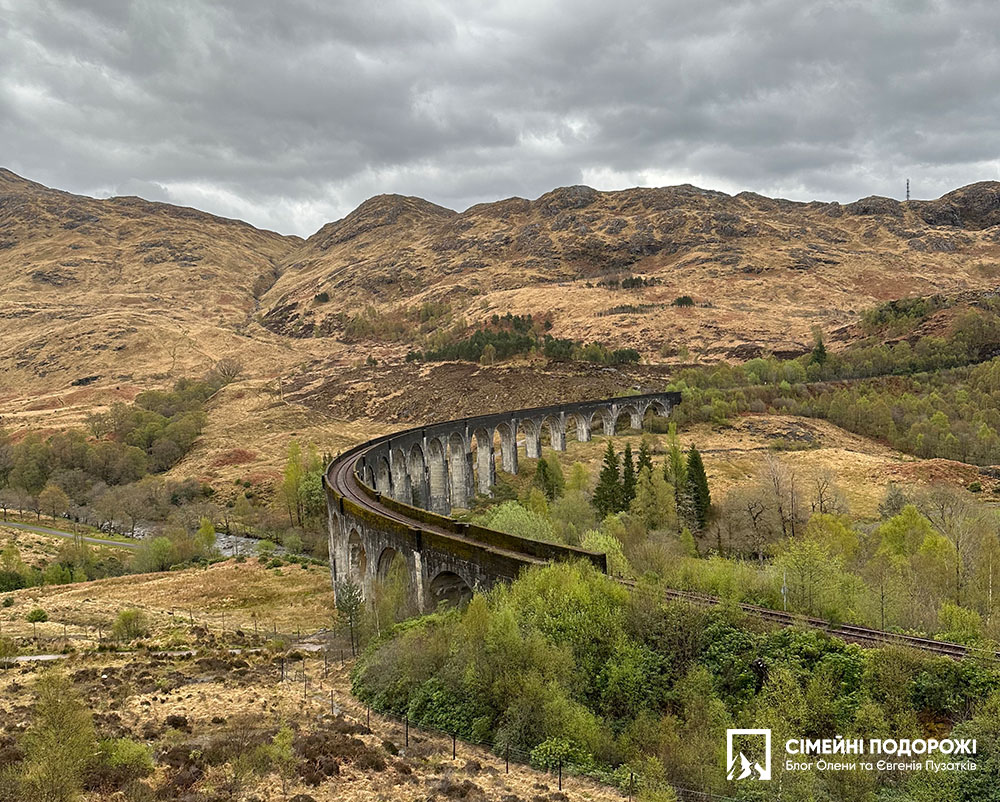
(289, 114)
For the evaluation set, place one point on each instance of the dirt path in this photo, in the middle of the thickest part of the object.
(44, 530)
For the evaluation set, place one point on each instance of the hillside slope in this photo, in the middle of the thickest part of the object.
(121, 289)
(105, 297)
(763, 272)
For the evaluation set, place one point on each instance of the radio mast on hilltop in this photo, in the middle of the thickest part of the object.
(907, 188)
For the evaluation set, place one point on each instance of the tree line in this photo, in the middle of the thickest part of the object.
(570, 667)
(937, 396)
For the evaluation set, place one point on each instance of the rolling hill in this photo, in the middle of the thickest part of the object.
(107, 297)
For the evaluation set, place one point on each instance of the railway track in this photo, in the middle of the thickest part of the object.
(848, 632)
(343, 479)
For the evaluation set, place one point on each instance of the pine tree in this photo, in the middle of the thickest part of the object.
(644, 459)
(609, 492)
(349, 602)
(893, 502)
(544, 480)
(819, 352)
(675, 471)
(701, 496)
(628, 476)
(688, 547)
(556, 472)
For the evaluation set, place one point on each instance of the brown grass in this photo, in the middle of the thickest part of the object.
(288, 599)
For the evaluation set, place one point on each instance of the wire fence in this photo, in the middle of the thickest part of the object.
(400, 728)
(292, 666)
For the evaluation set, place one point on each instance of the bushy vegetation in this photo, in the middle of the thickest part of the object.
(403, 324)
(510, 335)
(61, 755)
(102, 479)
(74, 562)
(75, 471)
(902, 315)
(628, 283)
(567, 665)
(927, 566)
(630, 309)
(934, 397)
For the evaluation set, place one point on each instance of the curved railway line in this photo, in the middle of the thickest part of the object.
(344, 479)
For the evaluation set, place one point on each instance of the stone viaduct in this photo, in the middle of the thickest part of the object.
(391, 498)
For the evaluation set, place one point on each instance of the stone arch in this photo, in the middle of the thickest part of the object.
(394, 572)
(439, 487)
(357, 559)
(609, 417)
(449, 588)
(661, 408)
(486, 466)
(400, 476)
(625, 417)
(578, 424)
(556, 427)
(507, 433)
(532, 431)
(368, 475)
(654, 417)
(383, 476)
(416, 467)
(460, 469)
(385, 560)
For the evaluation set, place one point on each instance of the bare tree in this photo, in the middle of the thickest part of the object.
(8, 499)
(228, 369)
(32, 503)
(827, 497)
(743, 521)
(782, 495)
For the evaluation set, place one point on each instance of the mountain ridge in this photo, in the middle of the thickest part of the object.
(138, 293)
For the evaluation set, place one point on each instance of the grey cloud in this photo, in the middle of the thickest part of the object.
(290, 114)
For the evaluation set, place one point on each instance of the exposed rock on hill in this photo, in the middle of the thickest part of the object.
(123, 292)
(761, 270)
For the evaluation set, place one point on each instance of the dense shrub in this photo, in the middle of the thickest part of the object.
(570, 668)
(130, 625)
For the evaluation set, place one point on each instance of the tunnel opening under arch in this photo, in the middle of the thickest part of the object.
(449, 589)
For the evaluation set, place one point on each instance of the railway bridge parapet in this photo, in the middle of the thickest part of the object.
(391, 498)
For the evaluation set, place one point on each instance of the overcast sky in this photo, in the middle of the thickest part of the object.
(288, 114)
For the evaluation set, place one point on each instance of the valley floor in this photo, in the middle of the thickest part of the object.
(217, 685)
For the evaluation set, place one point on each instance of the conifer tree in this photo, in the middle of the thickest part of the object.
(609, 492)
(628, 476)
(819, 352)
(675, 469)
(701, 497)
(544, 480)
(555, 471)
(675, 472)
